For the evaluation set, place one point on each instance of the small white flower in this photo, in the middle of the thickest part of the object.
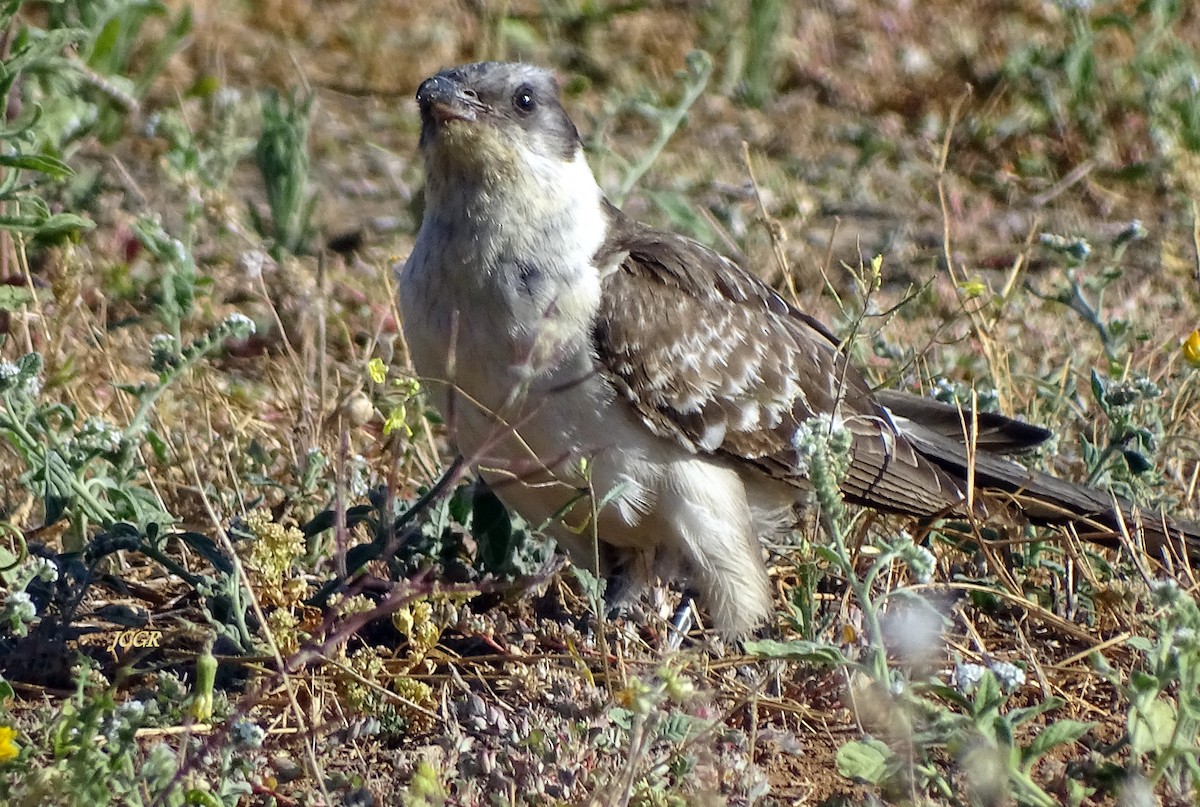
(130, 711)
(967, 676)
(246, 734)
(944, 390)
(1076, 248)
(179, 253)
(150, 126)
(43, 569)
(18, 612)
(97, 435)
(240, 324)
(1165, 593)
(1147, 388)
(31, 386)
(817, 434)
(164, 352)
(1010, 676)
(20, 600)
(921, 562)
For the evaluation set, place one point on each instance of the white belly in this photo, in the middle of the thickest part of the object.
(546, 439)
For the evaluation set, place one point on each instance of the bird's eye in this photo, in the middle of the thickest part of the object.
(523, 100)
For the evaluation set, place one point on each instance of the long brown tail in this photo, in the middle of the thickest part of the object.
(936, 431)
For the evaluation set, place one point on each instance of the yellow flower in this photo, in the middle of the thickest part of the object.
(8, 744)
(1191, 348)
(398, 419)
(973, 288)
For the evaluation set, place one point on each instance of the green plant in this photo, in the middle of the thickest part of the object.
(919, 718)
(88, 754)
(282, 159)
(1084, 289)
(764, 21)
(994, 765)
(21, 208)
(199, 162)
(694, 78)
(177, 280)
(91, 471)
(1134, 432)
(112, 34)
(1163, 693)
(1082, 89)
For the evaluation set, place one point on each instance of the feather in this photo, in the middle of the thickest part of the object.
(713, 358)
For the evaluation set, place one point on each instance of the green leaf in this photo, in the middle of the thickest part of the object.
(1144, 683)
(461, 503)
(864, 760)
(8, 564)
(158, 445)
(1060, 732)
(493, 531)
(1098, 388)
(797, 650)
(988, 696)
(37, 162)
(1019, 716)
(677, 727)
(1028, 791)
(167, 45)
(1137, 462)
(207, 548)
(105, 45)
(1151, 727)
(1078, 792)
(828, 555)
(621, 716)
(360, 555)
(592, 585)
(947, 693)
(204, 86)
(327, 518)
(48, 226)
(14, 298)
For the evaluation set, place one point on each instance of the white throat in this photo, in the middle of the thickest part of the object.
(511, 252)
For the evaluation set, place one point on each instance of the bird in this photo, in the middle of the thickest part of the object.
(639, 395)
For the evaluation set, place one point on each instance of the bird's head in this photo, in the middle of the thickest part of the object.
(494, 122)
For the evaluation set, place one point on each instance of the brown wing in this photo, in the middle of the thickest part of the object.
(712, 357)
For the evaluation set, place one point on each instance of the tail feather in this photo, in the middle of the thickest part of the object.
(1045, 499)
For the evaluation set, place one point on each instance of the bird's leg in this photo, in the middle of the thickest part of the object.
(682, 620)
